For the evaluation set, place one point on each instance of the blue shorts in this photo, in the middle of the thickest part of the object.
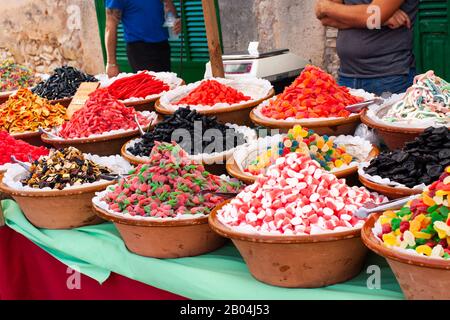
(379, 85)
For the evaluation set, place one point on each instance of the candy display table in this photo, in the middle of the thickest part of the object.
(100, 255)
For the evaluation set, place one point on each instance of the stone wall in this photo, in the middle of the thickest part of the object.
(275, 24)
(331, 59)
(45, 34)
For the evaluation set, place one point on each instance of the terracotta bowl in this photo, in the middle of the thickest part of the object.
(102, 146)
(390, 192)
(309, 261)
(214, 168)
(394, 137)
(237, 115)
(142, 105)
(64, 102)
(58, 209)
(4, 96)
(165, 239)
(419, 277)
(332, 127)
(33, 138)
(234, 170)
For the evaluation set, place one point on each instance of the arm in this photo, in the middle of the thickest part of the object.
(171, 8)
(113, 17)
(356, 16)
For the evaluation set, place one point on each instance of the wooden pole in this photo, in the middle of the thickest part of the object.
(212, 33)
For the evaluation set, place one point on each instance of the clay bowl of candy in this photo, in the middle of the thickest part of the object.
(229, 100)
(160, 210)
(102, 126)
(53, 205)
(65, 102)
(295, 226)
(337, 155)
(406, 171)
(314, 100)
(141, 90)
(293, 261)
(33, 138)
(420, 277)
(184, 127)
(424, 104)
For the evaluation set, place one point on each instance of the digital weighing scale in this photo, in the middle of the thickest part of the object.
(280, 67)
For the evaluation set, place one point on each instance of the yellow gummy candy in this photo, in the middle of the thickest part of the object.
(390, 239)
(441, 193)
(421, 235)
(428, 200)
(447, 180)
(441, 229)
(384, 220)
(447, 169)
(320, 143)
(390, 213)
(424, 249)
(338, 163)
(414, 225)
(398, 232)
(347, 158)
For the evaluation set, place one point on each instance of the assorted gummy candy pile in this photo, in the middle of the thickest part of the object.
(423, 224)
(297, 197)
(314, 94)
(168, 186)
(420, 161)
(320, 148)
(14, 76)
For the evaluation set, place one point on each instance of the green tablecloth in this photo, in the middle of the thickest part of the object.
(98, 250)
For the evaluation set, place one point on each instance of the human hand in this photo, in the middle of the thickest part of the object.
(398, 19)
(177, 27)
(321, 8)
(112, 70)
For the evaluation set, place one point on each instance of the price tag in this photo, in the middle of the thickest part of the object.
(80, 98)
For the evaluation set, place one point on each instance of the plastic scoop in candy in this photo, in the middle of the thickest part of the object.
(141, 131)
(48, 133)
(364, 212)
(357, 107)
(24, 165)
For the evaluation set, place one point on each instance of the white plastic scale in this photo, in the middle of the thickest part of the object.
(273, 66)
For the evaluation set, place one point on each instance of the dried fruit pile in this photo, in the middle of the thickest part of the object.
(14, 76)
(297, 197)
(140, 85)
(420, 161)
(101, 113)
(211, 92)
(314, 94)
(63, 168)
(423, 224)
(26, 112)
(306, 142)
(168, 186)
(192, 138)
(18, 148)
(63, 83)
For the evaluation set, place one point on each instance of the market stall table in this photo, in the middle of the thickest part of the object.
(100, 255)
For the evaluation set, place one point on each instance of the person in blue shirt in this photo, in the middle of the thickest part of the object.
(147, 40)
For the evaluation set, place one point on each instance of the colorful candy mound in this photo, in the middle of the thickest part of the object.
(63, 83)
(304, 141)
(62, 168)
(18, 148)
(140, 85)
(101, 113)
(297, 197)
(195, 126)
(420, 161)
(14, 76)
(211, 92)
(314, 94)
(26, 112)
(423, 224)
(427, 98)
(168, 186)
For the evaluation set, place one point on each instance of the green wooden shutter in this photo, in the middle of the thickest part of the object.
(191, 64)
(432, 37)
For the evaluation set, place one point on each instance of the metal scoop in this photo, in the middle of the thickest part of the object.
(51, 135)
(364, 212)
(141, 131)
(24, 165)
(357, 107)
